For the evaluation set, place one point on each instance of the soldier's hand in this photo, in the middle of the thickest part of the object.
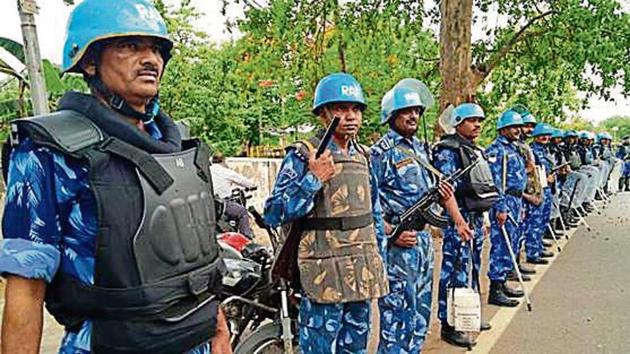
(464, 231)
(406, 239)
(551, 178)
(446, 190)
(221, 339)
(501, 218)
(323, 167)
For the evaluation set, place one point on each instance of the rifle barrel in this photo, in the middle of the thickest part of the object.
(330, 130)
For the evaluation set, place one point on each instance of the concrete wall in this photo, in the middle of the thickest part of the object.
(262, 171)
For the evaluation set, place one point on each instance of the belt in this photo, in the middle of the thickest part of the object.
(514, 192)
(343, 223)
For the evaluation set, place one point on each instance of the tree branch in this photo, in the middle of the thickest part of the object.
(484, 69)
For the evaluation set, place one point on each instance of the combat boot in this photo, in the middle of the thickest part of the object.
(458, 338)
(513, 277)
(588, 207)
(485, 326)
(537, 261)
(627, 184)
(512, 292)
(526, 270)
(546, 254)
(497, 297)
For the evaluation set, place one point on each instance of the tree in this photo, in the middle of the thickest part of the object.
(622, 125)
(543, 44)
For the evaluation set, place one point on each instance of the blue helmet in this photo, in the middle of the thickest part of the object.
(338, 87)
(584, 134)
(399, 98)
(557, 133)
(95, 20)
(607, 136)
(465, 111)
(528, 118)
(509, 118)
(542, 129)
(570, 134)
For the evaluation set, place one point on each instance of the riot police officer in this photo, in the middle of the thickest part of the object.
(452, 153)
(508, 170)
(538, 216)
(404, 174)
(332, 203)
(623, 154)
(119, 227)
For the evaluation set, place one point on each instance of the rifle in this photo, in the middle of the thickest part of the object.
(558, 168)
(420, 214)
(286, 266)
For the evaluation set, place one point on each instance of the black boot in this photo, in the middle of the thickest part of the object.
(451, 336)
(557, 227)
(526, 270)
(512, 292)
(588, 207)
(485, 326)
(627, 184)
(537, 261)
(497, 297)
(513, 277)
(546, 254)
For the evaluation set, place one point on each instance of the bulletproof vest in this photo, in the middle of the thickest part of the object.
(586, 157)
(573, 157)
(477, 191)
(338, 254)
(157, 265)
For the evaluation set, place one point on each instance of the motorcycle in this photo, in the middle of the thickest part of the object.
(261, 312)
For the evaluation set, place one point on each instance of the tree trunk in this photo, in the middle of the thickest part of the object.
(458, 79)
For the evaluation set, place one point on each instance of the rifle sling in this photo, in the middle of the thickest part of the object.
(344, 223)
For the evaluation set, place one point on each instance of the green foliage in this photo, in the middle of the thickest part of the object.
(621, 123)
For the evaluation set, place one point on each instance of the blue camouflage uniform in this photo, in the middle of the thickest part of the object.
(622, 154)
(406, 311)
(50, 224)
(455, 254)
(323, 328)
(537, 216)
(516, 178)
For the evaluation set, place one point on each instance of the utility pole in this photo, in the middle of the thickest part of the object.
(28, 9)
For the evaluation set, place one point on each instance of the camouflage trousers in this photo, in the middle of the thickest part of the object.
(405, 313)
(500, 262)
(334, 328)
(593, 174)
(455, 262)
(535, 223)
(573, 190)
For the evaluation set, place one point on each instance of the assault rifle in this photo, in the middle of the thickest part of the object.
(286, 266)
(420, 213)
(558, 168)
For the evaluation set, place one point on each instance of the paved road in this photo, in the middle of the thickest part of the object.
(582, 304)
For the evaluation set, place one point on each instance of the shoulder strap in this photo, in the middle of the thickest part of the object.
(434, 171)
(67, 131)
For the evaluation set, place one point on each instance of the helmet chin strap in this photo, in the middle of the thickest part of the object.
(120, 105)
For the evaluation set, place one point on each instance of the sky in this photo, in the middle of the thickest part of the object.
(51, 23)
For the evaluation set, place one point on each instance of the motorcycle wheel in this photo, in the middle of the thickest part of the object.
(265, 340)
